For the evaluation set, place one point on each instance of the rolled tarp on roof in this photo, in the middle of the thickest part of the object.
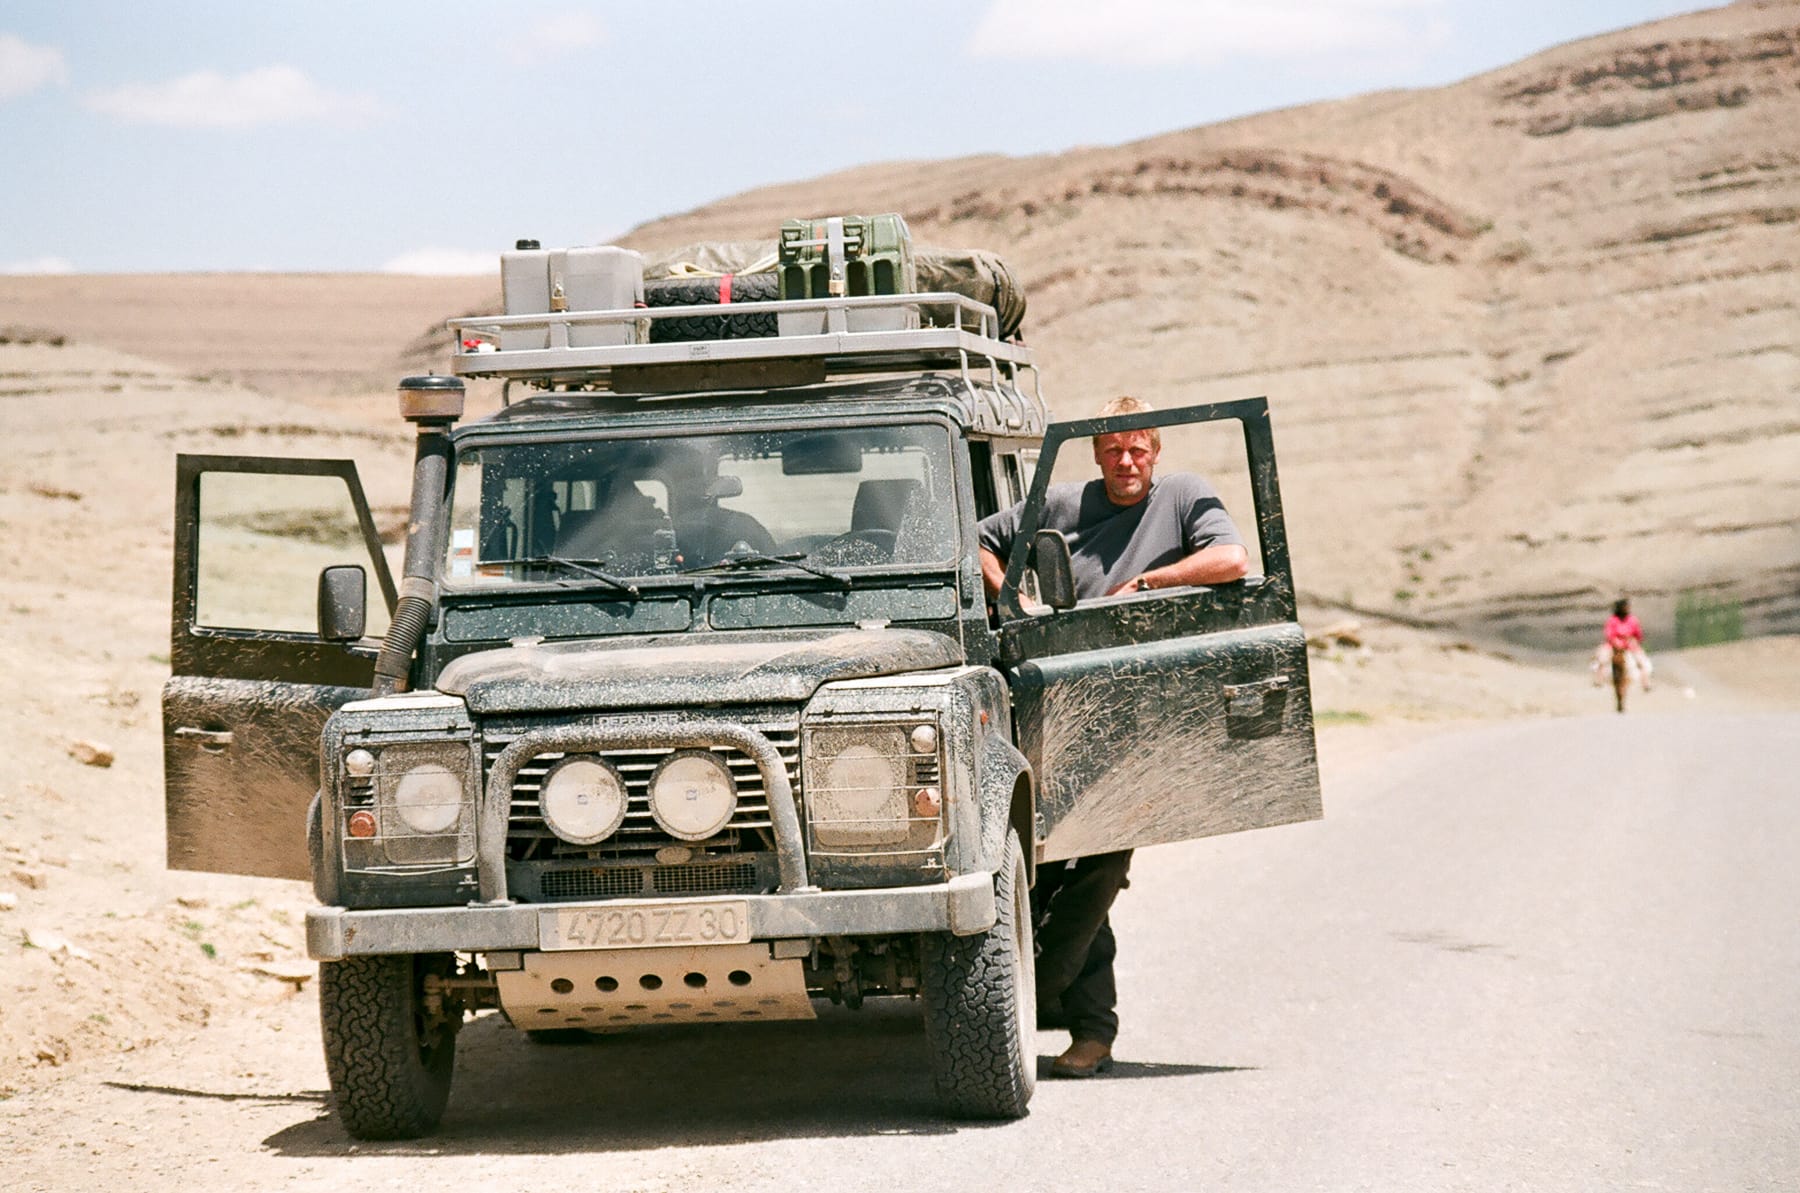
(973, 273)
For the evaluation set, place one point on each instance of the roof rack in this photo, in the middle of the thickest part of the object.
(635, 364)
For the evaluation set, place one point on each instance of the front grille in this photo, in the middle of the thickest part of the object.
(701, 880)
(639, 837)
(549, 881)
(592, 884)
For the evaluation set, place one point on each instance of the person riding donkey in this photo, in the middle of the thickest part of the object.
(1622, 651)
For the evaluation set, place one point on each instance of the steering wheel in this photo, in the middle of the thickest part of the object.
(882, 541)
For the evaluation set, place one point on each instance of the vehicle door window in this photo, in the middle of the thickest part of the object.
(1028, 459)
(1012, 488)
(1214, 450)
(263, 540)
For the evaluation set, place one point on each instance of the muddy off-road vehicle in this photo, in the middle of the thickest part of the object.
(689, 705)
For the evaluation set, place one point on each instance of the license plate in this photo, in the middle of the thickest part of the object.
(645, 925)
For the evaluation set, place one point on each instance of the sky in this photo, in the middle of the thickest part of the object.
(423, 136)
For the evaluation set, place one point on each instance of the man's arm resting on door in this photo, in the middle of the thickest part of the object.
(1220, 564)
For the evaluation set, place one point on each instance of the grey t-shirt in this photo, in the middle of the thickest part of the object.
(1109, 544)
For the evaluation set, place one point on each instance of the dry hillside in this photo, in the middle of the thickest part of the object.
(1530, 340)
(305, 335)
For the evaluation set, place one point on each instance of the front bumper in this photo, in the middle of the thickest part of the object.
(964, 905)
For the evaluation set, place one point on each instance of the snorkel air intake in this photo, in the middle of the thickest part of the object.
(432, 404)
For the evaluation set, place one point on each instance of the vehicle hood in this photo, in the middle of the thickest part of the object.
(686, 670)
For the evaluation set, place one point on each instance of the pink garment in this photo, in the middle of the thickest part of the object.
(1622, 632)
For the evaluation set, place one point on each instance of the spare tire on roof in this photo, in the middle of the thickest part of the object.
(727, 289)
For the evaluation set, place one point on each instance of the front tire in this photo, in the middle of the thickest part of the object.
(389, 1061)
(981, 1006)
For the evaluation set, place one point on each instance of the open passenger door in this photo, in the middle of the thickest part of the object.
(252, 679)
(1162, 716)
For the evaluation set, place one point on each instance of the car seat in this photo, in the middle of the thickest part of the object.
(883, 504)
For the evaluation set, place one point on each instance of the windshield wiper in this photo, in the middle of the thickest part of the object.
(574, 565)
(741, 560)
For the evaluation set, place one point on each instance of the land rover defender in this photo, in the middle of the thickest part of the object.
(688, 705)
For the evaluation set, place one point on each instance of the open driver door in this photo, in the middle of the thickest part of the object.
(1162, 716)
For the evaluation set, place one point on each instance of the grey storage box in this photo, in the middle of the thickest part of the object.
(598, 278)
(601, 278)
(525, 285)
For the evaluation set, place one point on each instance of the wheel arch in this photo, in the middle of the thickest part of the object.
(1008, 800)
(1022, 817)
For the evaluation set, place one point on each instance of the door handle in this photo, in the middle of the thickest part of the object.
(1246, 699)
(211, 740)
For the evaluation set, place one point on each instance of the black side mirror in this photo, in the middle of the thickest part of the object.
(343, 603)
(1055, 572)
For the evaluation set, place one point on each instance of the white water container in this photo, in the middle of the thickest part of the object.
(525, 283)
(599, 278)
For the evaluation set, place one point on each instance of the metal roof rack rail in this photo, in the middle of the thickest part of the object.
(638, 365)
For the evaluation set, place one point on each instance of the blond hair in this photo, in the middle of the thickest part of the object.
(1127, 404)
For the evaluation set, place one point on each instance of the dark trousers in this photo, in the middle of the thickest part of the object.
(1075, 946)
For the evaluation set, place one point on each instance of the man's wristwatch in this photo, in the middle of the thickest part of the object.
(1143, 584)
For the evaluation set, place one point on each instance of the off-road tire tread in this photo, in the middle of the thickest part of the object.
(733, 321)
(978, 1066)
(381, 1087)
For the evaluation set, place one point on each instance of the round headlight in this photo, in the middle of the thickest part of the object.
(583, 800)
(692, 795)
(863, 781)
(429, 798)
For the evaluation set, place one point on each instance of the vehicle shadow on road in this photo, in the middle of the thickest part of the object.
(182, 1091)
(848, 1074)
(1147, 1068)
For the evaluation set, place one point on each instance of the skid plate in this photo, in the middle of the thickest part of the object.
(613, 988)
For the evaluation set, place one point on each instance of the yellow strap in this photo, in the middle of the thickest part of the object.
(687, 269)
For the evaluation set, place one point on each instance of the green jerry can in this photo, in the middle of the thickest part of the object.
(847, 256)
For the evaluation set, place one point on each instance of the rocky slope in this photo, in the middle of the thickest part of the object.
(1530, 340)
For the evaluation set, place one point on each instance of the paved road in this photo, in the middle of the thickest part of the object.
(1554, 955)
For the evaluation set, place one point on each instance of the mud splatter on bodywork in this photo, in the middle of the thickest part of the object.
(680, 672)
(1168, 741)
(241, 764)
(980, 766)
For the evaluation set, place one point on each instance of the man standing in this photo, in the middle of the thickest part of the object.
(1126, 531)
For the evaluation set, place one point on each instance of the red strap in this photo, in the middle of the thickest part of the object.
(725, 289)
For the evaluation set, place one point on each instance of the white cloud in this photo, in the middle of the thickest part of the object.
(38, 265)
(555, 35)
(1199, 32)
(208, 99)
(436, 262)
(25, 67)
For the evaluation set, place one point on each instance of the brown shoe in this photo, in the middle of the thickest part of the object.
(1084, 1058)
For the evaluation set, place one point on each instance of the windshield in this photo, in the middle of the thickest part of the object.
(610, 512)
